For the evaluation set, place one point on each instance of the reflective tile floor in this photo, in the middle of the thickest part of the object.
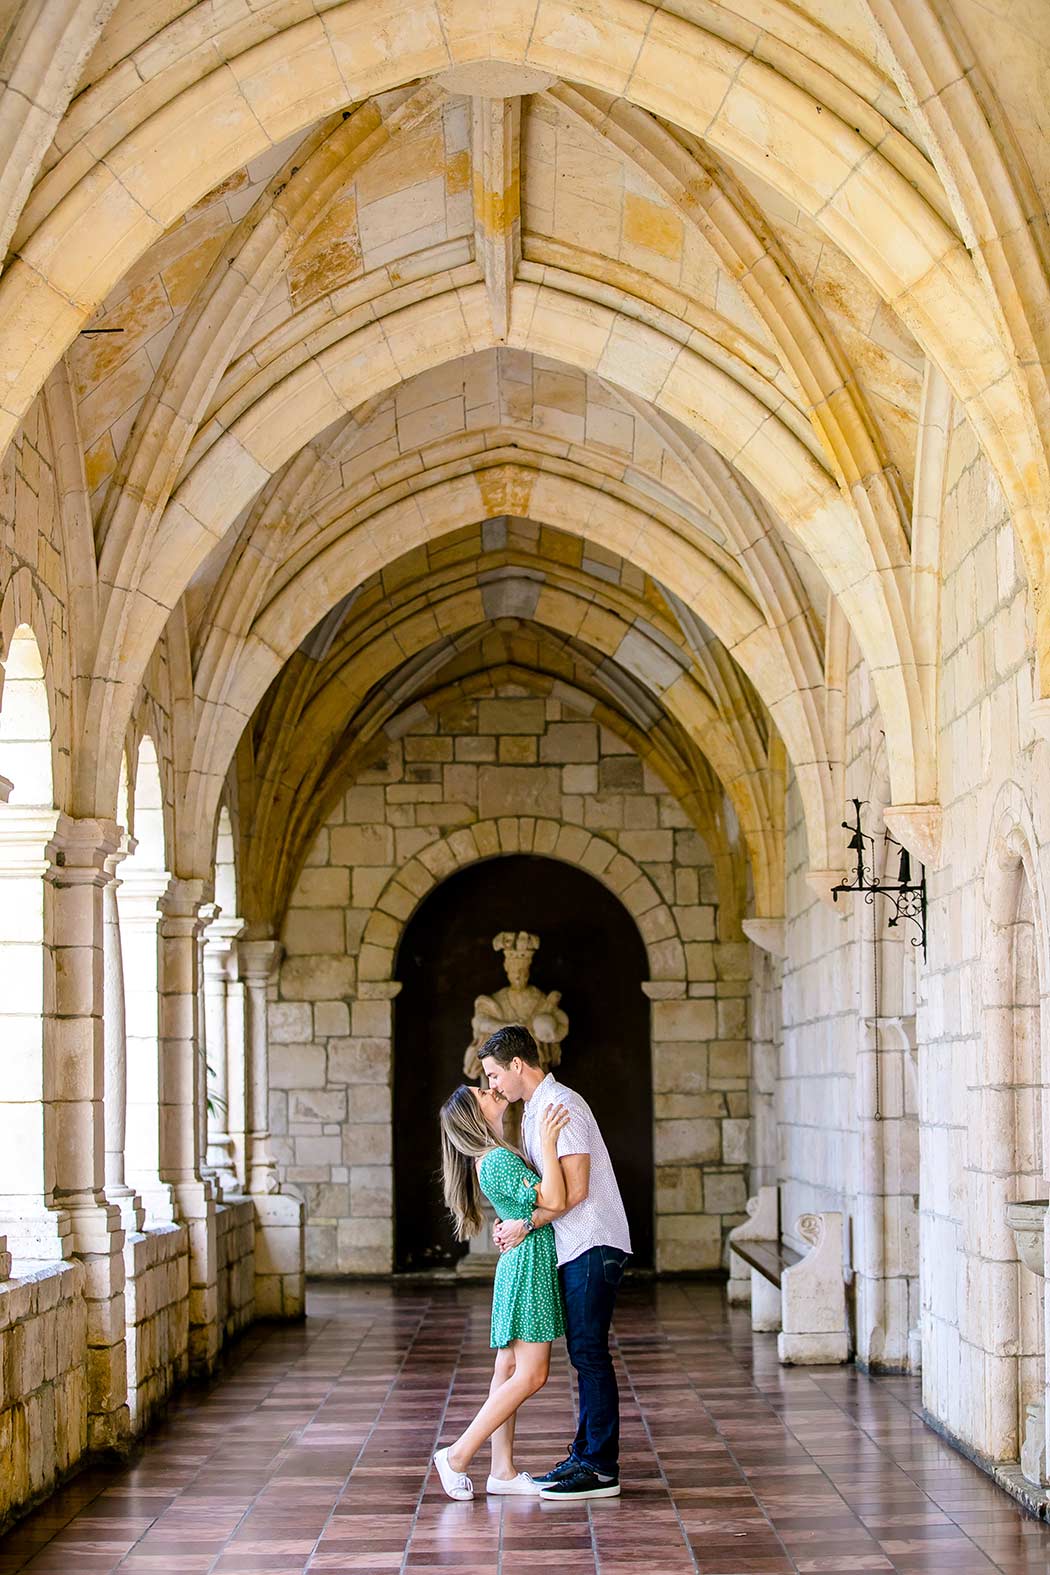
(311, 1454)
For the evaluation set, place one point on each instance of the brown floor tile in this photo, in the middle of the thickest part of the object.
(312, 1453)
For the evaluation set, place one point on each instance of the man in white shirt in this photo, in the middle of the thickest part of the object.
(593, 1245)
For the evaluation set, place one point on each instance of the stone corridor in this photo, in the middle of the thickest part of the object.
(310, 1454)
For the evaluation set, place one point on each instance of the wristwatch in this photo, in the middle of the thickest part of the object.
(528, 1224)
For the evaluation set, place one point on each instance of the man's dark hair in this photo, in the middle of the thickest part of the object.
(506, 1043)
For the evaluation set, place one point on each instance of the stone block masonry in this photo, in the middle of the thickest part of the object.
(443, 795)
(43, 1404)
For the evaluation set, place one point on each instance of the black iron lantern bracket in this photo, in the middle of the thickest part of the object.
(908, 896)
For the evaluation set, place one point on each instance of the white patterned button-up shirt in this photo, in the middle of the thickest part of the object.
(599, 1220)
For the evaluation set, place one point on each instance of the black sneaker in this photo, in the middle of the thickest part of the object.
(564, 1468)
(580, 1483)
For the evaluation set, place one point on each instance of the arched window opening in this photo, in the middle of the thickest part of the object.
(25, 723)
(224, 1019)
(147, 809)
(26, 964)
(225, 867)
(144, 882)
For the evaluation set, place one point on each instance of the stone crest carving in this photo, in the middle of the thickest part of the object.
(518, 1002)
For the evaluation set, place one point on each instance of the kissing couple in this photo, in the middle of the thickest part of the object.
(563, 1243)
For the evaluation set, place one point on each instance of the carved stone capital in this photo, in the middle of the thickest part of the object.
(769, 935)
(259, 960)
(80, 850)
(917, 827)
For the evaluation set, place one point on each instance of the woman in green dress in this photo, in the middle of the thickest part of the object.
(526, 1297)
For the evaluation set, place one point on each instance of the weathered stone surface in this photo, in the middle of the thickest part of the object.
(518, 790)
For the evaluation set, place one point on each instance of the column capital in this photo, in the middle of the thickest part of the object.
(220, 945)
(259, 959)
(125, 849)
(181, 907)
(79, 850)
(769, 935)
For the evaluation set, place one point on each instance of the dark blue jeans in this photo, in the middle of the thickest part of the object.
(589, 1285)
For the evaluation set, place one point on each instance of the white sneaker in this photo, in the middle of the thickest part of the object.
(456, 1483)
(522, 1483)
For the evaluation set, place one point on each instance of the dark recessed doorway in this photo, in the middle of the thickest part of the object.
(591, 951)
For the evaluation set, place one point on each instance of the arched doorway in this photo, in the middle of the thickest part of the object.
(592, 952)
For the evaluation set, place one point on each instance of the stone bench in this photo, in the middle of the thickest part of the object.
(801, 1296)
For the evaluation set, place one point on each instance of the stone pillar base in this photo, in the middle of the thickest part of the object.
(813, 1350)
(915, 1350)
(132, 1212)
(280, 1257)
(196, 1207)
(98, 1241)
(1033, 1446)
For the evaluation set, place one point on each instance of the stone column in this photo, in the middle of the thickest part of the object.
(237, 1067)
(74, 1077)
(280, 1289)
(36, 1233)
(207, 914)
(220, 967)
(138, 897)
(181, 1090)
(114, 1030)
(259, 960)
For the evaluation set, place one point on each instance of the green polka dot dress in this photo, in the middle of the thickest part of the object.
(526, 1296)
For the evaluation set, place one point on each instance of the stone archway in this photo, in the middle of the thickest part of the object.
(697, 1024)
(592, 953)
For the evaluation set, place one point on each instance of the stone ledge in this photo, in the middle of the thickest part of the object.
(1007, 1474)
(39, 1290)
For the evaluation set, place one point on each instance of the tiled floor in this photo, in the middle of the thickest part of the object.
(312, 1454)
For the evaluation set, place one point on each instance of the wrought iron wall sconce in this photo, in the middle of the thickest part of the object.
(909, 902)
(908, 896)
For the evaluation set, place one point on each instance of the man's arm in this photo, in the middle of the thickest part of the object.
(577, 1171)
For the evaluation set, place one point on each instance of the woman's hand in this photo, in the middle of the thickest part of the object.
(554, 1120)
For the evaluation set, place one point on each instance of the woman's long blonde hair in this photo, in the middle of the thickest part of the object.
(465, 1138)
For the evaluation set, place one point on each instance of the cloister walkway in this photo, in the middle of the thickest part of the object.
(311, 1455)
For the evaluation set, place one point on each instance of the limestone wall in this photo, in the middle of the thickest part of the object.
(924, 1189)
(506, 772)
(157, 1309)
(995, 771)
(43, 1402)
(235, 1229)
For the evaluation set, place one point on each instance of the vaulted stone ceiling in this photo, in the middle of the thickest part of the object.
(609, 345)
